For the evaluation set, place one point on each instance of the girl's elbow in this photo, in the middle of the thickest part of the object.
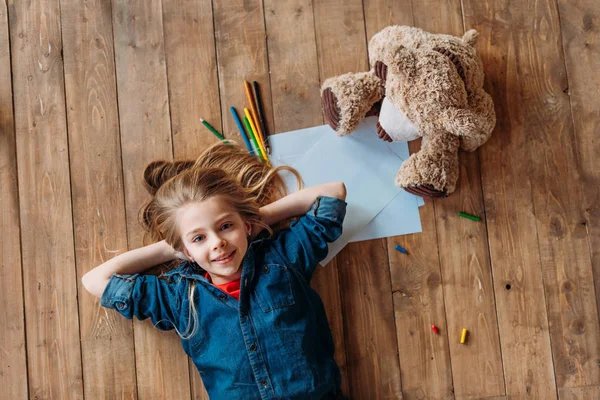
(91, 285)
(340, 190)
(86, 281)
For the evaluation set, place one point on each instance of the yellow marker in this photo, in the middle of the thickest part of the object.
(463, 337)
(260, 144)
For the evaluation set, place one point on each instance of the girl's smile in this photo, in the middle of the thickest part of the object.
(226, 258)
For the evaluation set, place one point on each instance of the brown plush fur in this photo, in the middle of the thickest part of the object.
(436, 82)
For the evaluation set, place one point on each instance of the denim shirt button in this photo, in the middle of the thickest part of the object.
(253, 347)
(263, 382)
(266, 269)
(121, 306)
(222, 296)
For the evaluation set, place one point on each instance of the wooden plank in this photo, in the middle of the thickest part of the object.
(533, 196)
(192, 75)
(13, 363)
(193, 91)
(425, 366)
(582, 393)
(241, 54)
(50, 287)
(108, 358)
(464, 255)
(372, 354)
(162, 371)
(518, 282)
(579, 22)
(297, 104)
(293, 64)
(495, 398)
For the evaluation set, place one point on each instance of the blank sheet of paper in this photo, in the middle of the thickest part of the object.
(366, 164)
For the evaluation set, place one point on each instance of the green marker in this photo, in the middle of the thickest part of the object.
(469, 216)
(252, 138)
(213, 130)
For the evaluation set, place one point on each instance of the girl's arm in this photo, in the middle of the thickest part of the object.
(138, 260)
(299, 203)
(130, 262)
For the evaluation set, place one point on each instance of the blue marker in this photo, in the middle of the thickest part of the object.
(239, 124)
(401, 249)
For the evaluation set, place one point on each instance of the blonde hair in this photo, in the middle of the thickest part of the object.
(225, 170)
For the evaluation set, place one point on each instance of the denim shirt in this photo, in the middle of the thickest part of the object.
(275, 342)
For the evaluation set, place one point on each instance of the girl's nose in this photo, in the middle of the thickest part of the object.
(220, 242)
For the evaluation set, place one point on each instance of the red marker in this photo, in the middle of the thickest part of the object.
(434, 328)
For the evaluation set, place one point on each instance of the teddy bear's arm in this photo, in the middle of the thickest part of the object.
(347, 99)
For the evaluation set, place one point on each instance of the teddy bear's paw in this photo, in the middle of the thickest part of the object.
(426, 191)
(382, 133)
(432, 171)
(331, 109)
(348, 98)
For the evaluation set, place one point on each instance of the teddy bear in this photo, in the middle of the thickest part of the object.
(420, 85)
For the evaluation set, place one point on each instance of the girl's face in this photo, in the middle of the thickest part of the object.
(214, 236)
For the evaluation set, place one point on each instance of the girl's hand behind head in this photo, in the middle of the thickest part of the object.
(180, 255)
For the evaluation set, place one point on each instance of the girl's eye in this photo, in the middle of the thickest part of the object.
(198, 237)
(226, 226)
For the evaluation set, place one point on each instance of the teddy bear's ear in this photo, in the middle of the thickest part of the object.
(470, 37)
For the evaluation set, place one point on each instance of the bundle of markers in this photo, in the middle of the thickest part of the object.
(255, 135)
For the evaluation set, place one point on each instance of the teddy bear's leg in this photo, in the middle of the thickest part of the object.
(433, 171)
(474, 125)
(348, 98)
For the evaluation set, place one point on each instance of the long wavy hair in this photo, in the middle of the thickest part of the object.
(225, 170)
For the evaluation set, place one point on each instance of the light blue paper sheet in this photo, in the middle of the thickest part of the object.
(288, 148)
(366, 164)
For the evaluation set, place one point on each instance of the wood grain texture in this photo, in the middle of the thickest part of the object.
(464, 255)
(161, 367)
(136, 71)
(582, 393)
(580, 22)
(241, 55)
(296, 105)
(425, 366)
(541, 211)
(293, 65)
(193, 92)
(108, 358)
(192, 75)
(418, 304)
(49, 277)
(518, 282)
(558, 199)
(372, 354)
(13, 363)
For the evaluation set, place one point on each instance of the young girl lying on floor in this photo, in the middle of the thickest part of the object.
(241, 299)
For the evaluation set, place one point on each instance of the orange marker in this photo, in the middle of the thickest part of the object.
(254, 114)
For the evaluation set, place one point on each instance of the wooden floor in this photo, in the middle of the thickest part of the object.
(91, 91)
